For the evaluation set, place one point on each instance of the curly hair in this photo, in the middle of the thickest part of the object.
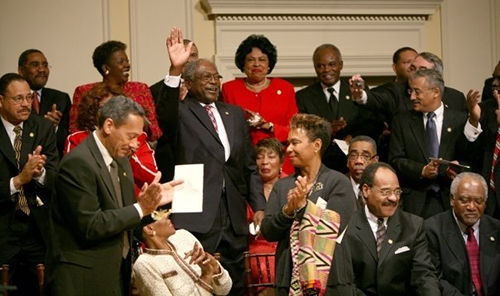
(271, 144)
(103, 52)
(260, 42)
(89, 106)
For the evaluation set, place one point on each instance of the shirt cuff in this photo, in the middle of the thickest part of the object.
(139, 210)
(41, 179)
(13, 189)
(172, 81)
(471, 133)
(364, 98)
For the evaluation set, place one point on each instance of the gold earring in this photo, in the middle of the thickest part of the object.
(106, 72)
(154, 232)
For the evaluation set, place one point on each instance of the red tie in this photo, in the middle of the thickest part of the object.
(473, 252)
(212, 117)
(36, 103)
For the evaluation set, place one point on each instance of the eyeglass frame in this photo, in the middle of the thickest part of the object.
(364, 157)
(215, 76)
(388, 192)
(18, 100)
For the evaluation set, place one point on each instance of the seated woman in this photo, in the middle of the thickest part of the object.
(142, 160)
(172, 266)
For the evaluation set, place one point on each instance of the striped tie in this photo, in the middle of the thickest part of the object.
(496, 152)
(473, 253)
(208, 108)
(380, 233)
(22, 203)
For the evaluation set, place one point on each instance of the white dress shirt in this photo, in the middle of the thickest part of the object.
(372, 221)
(221, 130)
(463, 229)
(336, 87)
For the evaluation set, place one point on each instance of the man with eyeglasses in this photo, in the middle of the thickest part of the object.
(214, 134)
(362, 152)
(28, 160)
(388, 246)
(464, 243)
(47, 102)
(422, 136)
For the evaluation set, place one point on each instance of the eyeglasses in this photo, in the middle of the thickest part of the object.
(206, 77)
(19, 99)
(466, 201)
(387, 192)
(364, 156)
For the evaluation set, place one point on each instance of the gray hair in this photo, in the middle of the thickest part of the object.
(432, 77)
(364, 139)
(118, 109)
(327, 46)
(190, 70)
(474, 176)
(434, 59)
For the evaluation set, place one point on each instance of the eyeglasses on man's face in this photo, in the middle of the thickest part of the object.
(207, 77)
(364, 156)
(19, 99)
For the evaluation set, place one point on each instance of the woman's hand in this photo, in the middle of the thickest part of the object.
(297, 196)
(208, 264)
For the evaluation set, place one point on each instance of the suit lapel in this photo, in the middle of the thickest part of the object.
(346, 108)
(7, 150)
(201, 114)
(454, 239)
(103, 169)
(319, 103)
(446, 134)
(227, 119)
(365, 234)
(45, 102)
(125, 184)
(28, 138)
(417, 128)
(391, 235)
(488, 237)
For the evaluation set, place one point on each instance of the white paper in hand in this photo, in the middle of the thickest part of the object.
(188, 196)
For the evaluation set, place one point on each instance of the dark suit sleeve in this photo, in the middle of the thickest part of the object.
(48, 143)
(63, 127)
(434, 250)
(275, 225)
(79, 202)
(423, 273)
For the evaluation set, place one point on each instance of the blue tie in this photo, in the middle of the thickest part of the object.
(431, 138)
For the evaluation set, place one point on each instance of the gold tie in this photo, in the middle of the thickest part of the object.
(22, 203)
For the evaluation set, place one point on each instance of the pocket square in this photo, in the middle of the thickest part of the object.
(402, 250)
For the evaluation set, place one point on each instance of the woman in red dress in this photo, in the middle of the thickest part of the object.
(112, 63)
(269, 102)
(270, 158)
(142, 160)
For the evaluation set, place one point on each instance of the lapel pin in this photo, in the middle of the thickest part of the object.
(448, 129)
(492, 238)
(227, 113)
(125, 174)
(32, 135)
(278, 92)
(347, 97)
(390, 241)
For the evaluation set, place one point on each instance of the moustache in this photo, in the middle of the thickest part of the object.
(390, 203)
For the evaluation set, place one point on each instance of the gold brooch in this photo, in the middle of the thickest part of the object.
(317, 186)
(32, 135)
(160, 214)
(278, 92)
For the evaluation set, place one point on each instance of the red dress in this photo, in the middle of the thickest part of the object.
(142, 161)
(275, 104)
(137, 91)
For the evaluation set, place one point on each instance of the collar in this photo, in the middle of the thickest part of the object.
(211, 104)
(354, 185)
(372, 217)
(336, 87)
(439, 111)
(9, 127)
(463, 227)
(104, 152)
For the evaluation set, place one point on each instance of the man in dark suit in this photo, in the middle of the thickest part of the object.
(94, 211)
(28, 160)
(330, 98)
(214, 134)
(464, 243)
(388, 246)
(430, 130)
(48, 102)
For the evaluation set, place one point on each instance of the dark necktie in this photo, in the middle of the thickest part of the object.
(115, 178)
(496, 152)
(36, 102)
(22, 203)
(208, 108)
(360, 201)
(334, 104)
(380, 234)
(473, 252)
(431, 138)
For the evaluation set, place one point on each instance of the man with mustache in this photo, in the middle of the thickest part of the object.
(362, 152)
(388, 247)
(330, 98)
(429, 131)
(214, 134)
(47, 102)
(28, 160)
(464, 243)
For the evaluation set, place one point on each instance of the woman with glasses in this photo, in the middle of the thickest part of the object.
(111, 60)
(307, 211)
(269, 102)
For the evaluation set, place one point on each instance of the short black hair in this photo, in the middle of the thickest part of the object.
(103, 52)
(6, 80)
(23, 58)
(370, 171)
(397, 54)
(260, 42)
(327, 46)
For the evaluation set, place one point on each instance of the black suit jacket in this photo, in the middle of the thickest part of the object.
(449, 254)
(52, 96)
(35, 132)
(89, 224)
(196, 141)
(408, 155)
(360, 121)
(404, 266)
